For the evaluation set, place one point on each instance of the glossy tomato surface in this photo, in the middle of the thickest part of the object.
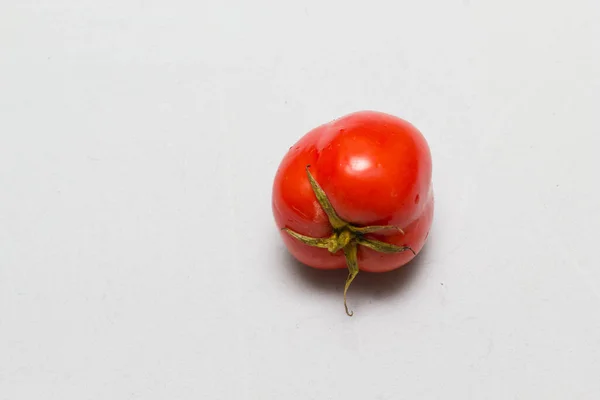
(375, 169)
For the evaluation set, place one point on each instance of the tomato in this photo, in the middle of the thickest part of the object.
(356, 193)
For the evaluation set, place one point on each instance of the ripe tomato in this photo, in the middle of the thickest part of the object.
(356, 193)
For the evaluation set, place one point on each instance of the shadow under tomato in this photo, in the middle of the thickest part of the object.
(367, 286)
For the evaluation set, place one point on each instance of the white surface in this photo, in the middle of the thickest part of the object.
(138, 255)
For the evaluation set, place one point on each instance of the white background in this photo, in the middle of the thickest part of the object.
(138, 254)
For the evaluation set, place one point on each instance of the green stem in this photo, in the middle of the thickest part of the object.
(346, 237)
(351, 253)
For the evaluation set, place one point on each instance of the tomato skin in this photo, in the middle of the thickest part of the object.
(375, 169)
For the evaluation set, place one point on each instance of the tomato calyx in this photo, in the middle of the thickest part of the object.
(346, 237)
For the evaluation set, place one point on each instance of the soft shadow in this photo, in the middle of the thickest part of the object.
(367, 285)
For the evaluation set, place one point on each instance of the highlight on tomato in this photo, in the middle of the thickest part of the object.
(356, 193)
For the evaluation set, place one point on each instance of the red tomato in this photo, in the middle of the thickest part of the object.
(356, 193)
